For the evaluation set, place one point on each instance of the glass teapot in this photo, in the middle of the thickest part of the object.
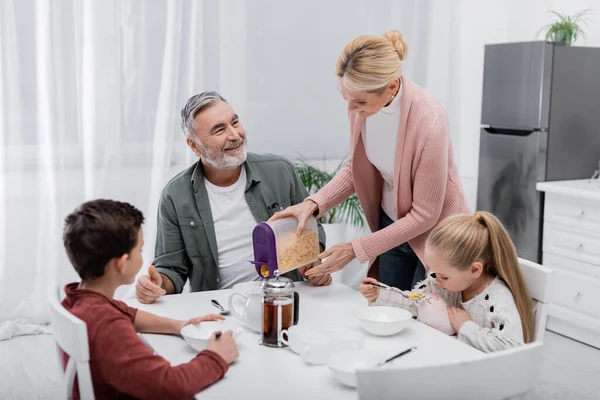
(280, 309)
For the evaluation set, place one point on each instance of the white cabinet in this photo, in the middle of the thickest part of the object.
(571, 247)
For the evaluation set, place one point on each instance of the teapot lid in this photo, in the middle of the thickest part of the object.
(279, 284)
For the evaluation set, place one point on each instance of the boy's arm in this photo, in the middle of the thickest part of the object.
(131, 367)
(146, 322)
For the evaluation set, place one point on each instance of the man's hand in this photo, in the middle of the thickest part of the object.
(316, 280)
(148, 287)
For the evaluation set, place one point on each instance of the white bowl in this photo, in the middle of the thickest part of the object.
(344, 365)
(197, 335)
(383, 321)
(245, 287)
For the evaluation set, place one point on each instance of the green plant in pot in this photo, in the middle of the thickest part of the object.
(348, 211)
(566, 29)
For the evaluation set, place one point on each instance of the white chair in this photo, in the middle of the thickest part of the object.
(539, 280)
(71, 336)
(501, 375)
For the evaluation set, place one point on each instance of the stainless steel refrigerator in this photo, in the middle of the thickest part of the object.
(540, 122)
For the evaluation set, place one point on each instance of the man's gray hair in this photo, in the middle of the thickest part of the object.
(194, 105)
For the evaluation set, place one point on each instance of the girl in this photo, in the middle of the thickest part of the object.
(473, 266)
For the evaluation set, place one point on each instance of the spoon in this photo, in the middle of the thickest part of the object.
(220, 307)
(397, 355)
(391, 289)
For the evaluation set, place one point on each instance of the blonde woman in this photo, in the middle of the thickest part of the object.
(474, 268)
(401, 164)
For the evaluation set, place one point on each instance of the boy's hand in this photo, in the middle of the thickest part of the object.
(224, 346)
(457, 317)
(199, 320)
(371, 293)
(148, 287)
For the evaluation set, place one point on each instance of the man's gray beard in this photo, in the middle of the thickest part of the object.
(223, 161)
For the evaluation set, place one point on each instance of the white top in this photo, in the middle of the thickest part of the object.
(495, 322)
(379, 136)
(233, 222)
(583, 188)
(265, 372)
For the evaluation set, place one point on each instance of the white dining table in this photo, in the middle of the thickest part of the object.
(269, 373)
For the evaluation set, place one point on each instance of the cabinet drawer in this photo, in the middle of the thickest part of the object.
(572, 211)
(570, 242)
(576, 285)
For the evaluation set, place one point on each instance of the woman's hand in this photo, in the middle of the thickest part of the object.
(302, 211)
(337, 256)
(458, 317)
(368, 291)
(316, 280)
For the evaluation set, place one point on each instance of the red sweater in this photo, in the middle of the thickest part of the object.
(122, 366)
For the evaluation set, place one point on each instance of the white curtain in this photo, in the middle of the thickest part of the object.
(89, 100)
(90, 93)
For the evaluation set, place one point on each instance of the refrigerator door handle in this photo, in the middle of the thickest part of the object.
(496, 130)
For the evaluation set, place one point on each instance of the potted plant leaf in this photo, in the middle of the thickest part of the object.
(348, 211)
(336, 220)
(566, 29)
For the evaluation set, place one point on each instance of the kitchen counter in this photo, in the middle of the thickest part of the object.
(571, 247)
(582, 188)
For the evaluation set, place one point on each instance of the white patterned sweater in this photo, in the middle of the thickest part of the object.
(495, 322)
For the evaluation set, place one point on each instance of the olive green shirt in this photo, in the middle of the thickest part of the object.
(186, 244)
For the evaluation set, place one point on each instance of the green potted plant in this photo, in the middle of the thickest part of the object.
(566, 29)
(338, 220)
(348, 211)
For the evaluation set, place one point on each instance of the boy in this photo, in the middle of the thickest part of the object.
(103, 240)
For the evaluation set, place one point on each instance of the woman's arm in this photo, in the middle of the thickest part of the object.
(431, 178)
(337, 190)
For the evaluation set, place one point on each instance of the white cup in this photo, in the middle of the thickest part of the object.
(348, 340)
(295, 336)
(317, 349)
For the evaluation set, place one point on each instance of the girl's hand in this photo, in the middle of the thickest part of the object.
(371, 293)
(458, 317)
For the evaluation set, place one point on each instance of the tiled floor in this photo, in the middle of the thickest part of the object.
(571, 370)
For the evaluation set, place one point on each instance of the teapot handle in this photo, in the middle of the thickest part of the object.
(296, 308)
(232, 308)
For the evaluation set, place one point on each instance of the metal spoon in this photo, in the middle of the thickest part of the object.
(389, 288)
(397, 355)
(220, 307)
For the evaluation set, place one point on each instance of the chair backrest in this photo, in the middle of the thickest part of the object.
(71, 336)
(500, 375)
(539, 280)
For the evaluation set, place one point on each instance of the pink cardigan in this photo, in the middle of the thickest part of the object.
(426, 178)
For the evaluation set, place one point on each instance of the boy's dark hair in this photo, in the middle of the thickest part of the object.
(98, 231)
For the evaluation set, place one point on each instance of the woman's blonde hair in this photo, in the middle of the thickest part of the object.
(464, 239)
(368, 63)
